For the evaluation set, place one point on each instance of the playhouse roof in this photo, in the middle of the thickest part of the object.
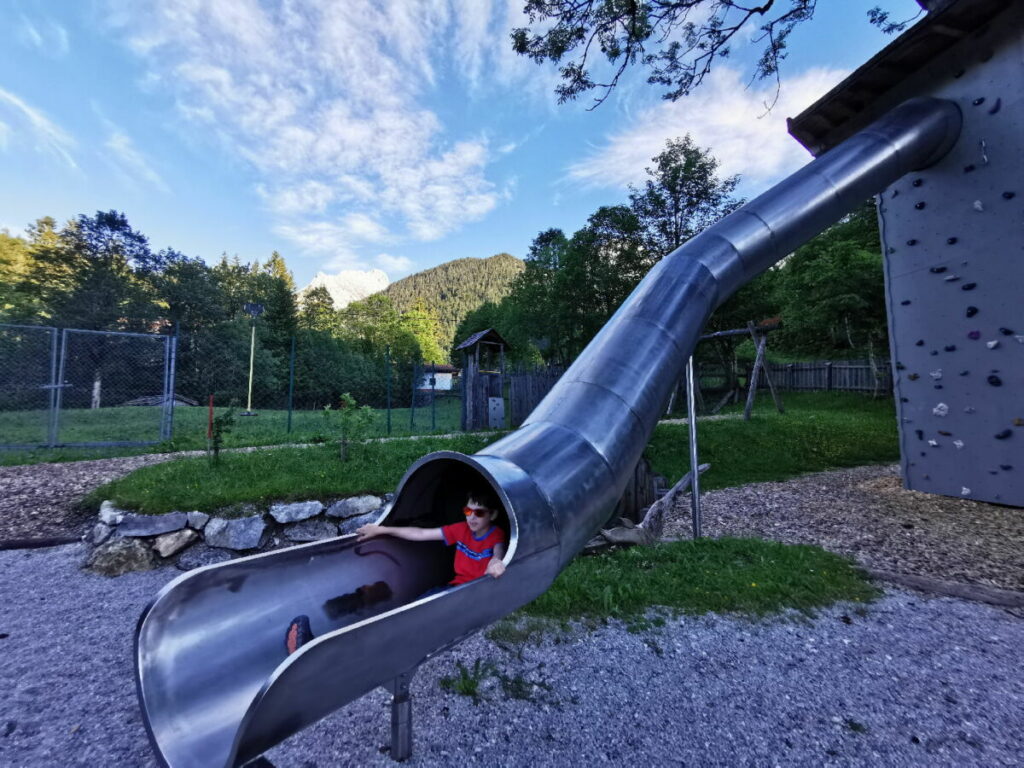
(488, 334)
(862, 97)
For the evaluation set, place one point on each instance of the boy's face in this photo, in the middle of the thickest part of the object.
(480, 519)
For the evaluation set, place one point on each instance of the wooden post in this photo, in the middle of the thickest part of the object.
(759, 341)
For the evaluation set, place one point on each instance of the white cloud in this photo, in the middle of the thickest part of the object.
(47, 37)
(394, 265)
(130, 161)
(47, 136)
(722, 116)
(328, 104)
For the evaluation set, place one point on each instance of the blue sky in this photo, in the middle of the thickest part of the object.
(357, 134)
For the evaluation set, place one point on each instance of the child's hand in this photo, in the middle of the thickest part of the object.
(495, 568)
(368, 531)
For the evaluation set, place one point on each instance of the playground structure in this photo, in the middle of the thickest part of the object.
(558, 477)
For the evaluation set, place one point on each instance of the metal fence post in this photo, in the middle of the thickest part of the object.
(291, 384)
(433, 399)
(691, 405)
(412, 397)
(387, 356)
(54, 387)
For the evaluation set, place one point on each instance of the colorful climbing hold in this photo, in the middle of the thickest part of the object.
(994, 380)
(978, 101)
(944, 433)
(959, 444)
(972, 311)
(1009, 195)
(911, 242)
(1006, 467)
(919, 343)
(1006, 434)
(974, 335)
(905, 302)
(937, 270)
(968, 286)
(914, 376)
(950, 241)
(968, 168)
(978, 206)
(964, 373)
(951, 278)
(917, 182)
(941, 409)
(995, 107)
(919, 433)
(1006, 332)
(919, 206)
(950, 347)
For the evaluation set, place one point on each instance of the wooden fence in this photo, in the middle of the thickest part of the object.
(845, 375)
(527, 387)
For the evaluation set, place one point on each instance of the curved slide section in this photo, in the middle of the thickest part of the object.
(214, 684)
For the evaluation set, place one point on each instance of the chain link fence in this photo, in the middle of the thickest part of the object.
(79, 388)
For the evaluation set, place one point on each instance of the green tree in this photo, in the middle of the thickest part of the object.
(832, 291)
(15, 262)
(676, 41)
(682, 197)
(423, 323)
(317, 311)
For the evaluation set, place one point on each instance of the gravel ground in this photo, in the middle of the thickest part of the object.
(910, 680)
(866, 513)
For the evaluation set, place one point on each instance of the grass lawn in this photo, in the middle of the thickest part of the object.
(818, 431)
(747, 576)
(269, 427)
(286, 474)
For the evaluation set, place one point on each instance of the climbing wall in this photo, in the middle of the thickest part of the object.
(954, 242)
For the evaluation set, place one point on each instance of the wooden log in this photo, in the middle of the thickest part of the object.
(762, 348)
(654, 520)
(758, 360)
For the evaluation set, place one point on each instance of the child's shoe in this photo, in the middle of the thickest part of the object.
(298, 634)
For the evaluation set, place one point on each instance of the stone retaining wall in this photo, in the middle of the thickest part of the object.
(125, 541)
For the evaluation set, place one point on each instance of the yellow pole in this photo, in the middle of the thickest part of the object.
(252, 350)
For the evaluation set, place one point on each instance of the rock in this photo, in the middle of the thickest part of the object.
(151, 525)
(119, 556)
(100, 533)
(349, 526)
(201, 555)
(197, 520)
(300, 510)
(109, 514)
(238, 534)
(170, 544)
(311, 530)
(351, 507)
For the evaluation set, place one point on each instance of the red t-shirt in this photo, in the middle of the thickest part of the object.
(472, 554)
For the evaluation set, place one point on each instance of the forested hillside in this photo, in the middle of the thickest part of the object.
(456, 288)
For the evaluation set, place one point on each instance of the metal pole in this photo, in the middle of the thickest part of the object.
(60, 386)
(252, 352)
(51, 437)
(433, 399)
(691, 406)
(401, 717)
(169, 429)
(387, 355)
(412, 402)
(291, 384)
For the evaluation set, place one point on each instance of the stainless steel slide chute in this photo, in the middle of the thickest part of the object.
(215, 686)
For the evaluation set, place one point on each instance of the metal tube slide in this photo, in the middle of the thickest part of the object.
(214, 684)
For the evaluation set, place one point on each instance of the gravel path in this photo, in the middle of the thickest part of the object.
(911, 680)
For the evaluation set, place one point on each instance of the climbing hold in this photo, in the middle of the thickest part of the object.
(964, 373)
(919, 343)
(969, 409)
(950, 241)
(974, 335)
(933, 443)
(919, 206)
(1006, 467)
(965, 491)
(950, 347)
(890, 249)
(968, 286)
(944, 433)
(934, 352)
(958, 74)
(911, 241)
(972, 311)
(951, 279)
(1009, 195)
(959, 444)
(1019, 338)
(978, 206)
(1018, 422)
(941, 409)
(919, 433)
(895, 192)
(994, 380)
(936, 374)
(978, 101)
(995, 107)
(904, 399)
(917, 182)
(992, 344)
(1006, 332)
(913, 377)
(900, 366)
(1006, 434)
(938, 386)
(905, 302)
(937, 270)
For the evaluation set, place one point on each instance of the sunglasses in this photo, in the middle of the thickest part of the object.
(481, 512)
